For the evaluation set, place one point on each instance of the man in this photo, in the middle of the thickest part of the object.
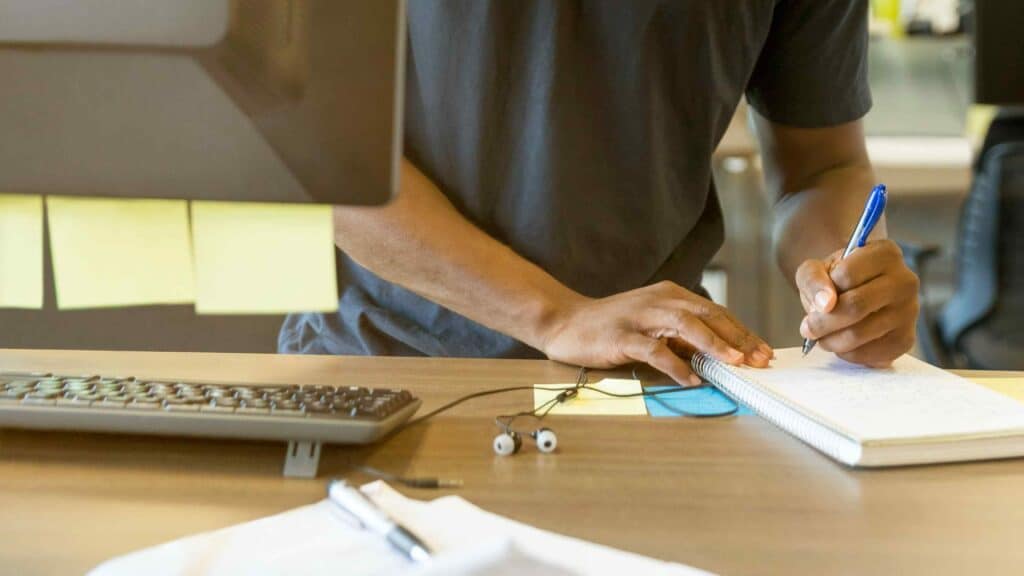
(556, 197)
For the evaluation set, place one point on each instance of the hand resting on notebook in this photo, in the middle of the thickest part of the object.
(864, 307)
(659, 325)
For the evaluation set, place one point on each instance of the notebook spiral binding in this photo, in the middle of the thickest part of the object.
(838, 446)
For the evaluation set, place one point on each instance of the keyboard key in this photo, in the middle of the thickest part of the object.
(285, 405)
(256, 403)
(111, 402)
(319, 407)
(73, 401)
(89, 396)
(44, 394)
(253, 411)
(181, 407)
(217, 408)
(136, 405)
(30, 401)
(6, 398)
(146, 399)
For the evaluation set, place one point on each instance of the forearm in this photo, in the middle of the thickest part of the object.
(818, 218)
(863, 307)
(818, 179)
(421, 242)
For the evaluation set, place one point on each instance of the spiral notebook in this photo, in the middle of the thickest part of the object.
(912, 413)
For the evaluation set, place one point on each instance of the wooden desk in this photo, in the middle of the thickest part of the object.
(732, 495)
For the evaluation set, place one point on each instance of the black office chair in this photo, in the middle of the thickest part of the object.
(982, 325)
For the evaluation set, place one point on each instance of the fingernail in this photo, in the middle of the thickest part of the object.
(695, 380)
(735, 355)
(821, 299)
(805, 328)
(759, 357)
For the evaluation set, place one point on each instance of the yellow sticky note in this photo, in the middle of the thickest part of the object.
(119, 252)
(1012, 387)
(21, 251)
(263, 258)
(979, 118)
(593, 402)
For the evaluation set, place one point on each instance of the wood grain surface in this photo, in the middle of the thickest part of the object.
(731, 495)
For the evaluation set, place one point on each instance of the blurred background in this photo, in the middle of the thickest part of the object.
(923, 135)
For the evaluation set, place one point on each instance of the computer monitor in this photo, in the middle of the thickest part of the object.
(998, 32)
(256, 100)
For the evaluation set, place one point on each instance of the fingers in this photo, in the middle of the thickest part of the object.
(756, 351)
(857, 304)
(695, 332)
(709, 330)
(817, 292)
(873, 319)
(874, 326)
(696, 324)
(880, 353)
(864, 264)
(657, 354)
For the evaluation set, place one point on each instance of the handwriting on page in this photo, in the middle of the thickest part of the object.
(911, 399)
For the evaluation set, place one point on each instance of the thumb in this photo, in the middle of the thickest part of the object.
(815, 285)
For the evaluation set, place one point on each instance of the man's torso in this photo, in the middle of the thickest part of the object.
(579, 133)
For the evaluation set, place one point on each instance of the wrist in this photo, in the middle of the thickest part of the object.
(552, 313)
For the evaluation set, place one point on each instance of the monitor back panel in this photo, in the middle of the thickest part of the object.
(999, 52)
(255, 100)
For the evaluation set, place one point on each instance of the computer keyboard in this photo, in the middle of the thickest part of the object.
(308, 414)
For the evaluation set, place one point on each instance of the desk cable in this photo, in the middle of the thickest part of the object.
(505, 421)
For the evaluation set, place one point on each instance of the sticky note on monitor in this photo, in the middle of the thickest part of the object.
(255, 258)
(119, 252)
(592, 402)
(21, 251)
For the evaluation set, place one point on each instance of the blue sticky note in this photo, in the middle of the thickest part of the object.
(702, 401)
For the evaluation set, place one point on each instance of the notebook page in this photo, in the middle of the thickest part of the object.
(911, 400)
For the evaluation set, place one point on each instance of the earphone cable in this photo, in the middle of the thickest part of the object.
(539, 412)
(549, 405)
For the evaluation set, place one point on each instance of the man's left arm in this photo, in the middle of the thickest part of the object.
(864, 307)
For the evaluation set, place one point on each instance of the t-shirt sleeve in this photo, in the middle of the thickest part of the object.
(813, 70)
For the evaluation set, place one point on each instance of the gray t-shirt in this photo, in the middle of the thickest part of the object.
(580, 133)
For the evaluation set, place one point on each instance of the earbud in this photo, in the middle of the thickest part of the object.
(546, 440)
(507, 443)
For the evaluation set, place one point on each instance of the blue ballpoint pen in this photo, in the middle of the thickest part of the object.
(873, 209)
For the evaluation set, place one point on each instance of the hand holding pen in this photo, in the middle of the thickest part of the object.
(861, 302)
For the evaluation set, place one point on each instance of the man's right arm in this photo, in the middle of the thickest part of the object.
(421, 242)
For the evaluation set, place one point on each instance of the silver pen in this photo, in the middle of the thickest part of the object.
(350, 500)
